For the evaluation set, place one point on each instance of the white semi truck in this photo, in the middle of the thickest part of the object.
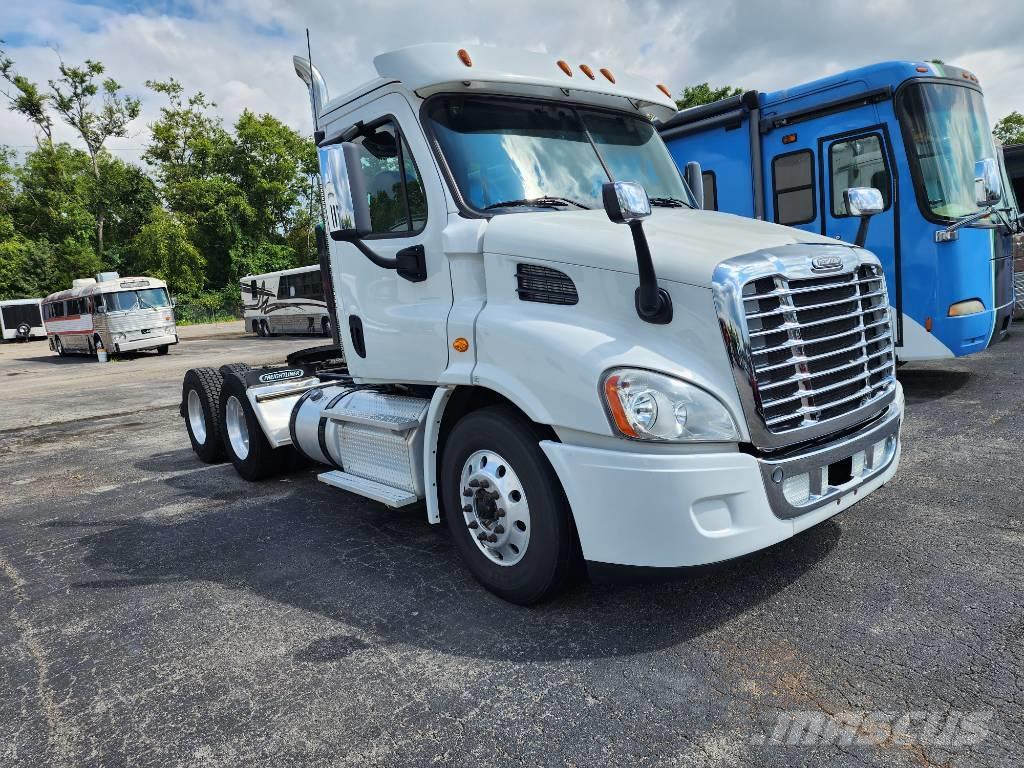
(550, 345)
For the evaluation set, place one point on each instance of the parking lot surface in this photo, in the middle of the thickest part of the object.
(158, 611)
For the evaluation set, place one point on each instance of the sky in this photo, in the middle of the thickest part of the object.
(239, 52)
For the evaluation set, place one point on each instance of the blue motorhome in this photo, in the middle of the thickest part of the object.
(913, 130)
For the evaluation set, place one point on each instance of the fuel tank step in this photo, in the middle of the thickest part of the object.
(371, 489)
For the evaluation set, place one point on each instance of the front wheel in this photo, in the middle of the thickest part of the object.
(505, 507)
(58, 347)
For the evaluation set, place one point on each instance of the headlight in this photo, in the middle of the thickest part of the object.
(651, 406)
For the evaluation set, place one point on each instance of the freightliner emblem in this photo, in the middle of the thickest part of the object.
(292, 373)
(826, 263)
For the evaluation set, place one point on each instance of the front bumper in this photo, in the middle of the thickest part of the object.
(149, 342)
(676, 510)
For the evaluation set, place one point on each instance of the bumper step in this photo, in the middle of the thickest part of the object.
(371, 489)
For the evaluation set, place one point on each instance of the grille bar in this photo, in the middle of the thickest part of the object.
(820, 347)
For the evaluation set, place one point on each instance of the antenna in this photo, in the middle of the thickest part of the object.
(316, 106)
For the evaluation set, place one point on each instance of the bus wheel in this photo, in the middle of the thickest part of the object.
(244, 442)
(58, 347)
(163, 349)
(257, 327)
(325, 327)
(201, 400)
(266, 329)
(505, 507)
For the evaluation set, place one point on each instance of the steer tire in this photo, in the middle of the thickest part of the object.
(200, 404)
(542, 565)
(252, 455)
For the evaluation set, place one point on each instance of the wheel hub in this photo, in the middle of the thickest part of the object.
(495, 509)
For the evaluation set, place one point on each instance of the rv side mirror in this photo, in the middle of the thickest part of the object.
(626, 202)
(863, 202)
(695, 181)
(988, 183)
(345, 202)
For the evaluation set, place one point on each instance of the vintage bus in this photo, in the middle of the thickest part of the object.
(123, 314)
(21, 319)
(916, 131)
(288, 301)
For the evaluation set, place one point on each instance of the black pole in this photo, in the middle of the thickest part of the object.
(653, 304)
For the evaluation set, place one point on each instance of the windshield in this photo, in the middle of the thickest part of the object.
(946, 131)
(503, 150)
(147, 298)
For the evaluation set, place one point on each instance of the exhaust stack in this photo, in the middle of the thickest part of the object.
(315, 83)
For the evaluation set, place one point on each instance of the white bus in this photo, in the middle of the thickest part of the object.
(21, 319)
(124, 314)
(288, 301)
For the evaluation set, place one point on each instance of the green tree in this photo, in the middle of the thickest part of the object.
(162, 248)
(703, 93)
(1010, 130)
(26, 99)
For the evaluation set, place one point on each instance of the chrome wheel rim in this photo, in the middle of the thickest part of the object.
(196, 417)
(238, 430)
(494, 507)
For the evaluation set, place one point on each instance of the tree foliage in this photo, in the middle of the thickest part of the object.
(209, 205)
(1010, 130)
(703, 93)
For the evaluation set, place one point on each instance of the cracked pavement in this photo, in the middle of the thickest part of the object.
(155, 611)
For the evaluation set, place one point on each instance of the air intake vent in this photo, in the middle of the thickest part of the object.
(548, 286)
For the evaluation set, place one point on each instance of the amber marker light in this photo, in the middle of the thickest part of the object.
(608, 74)
(464, 57)
(611, 396)
(928, 324)
(564, 66)
(664, 89)
(586, 70)
(460, 344)
(789, 138)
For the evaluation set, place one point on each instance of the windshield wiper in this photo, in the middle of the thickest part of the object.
(670, 202)
(550, 201)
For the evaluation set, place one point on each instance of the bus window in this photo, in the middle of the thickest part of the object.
(858, 162)
(793, 183)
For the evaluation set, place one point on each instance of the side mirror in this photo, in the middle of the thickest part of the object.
(988, 183)
(695, 181)
(863, 202)
(626, 202)
(346, 206)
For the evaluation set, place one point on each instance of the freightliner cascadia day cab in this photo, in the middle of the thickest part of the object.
(547, 343)
(288, 301)
(21, 320)
(916, 131)
(117, 314)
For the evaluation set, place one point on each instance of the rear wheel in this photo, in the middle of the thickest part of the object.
(201, 393)
(257, 327)
(163, 349)
(505, 507)
(266, 329)
(58, 347)
(244, 442)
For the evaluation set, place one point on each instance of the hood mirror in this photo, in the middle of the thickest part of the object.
(626, 202)
(988, 183)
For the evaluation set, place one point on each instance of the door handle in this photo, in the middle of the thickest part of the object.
(412, 263)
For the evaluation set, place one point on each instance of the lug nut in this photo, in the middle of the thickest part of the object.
(482, 536)
(499, 529)
(474, 483)
(474, 525)
(468, 508)
(495, 495)
(484, 484)
(500, 512)
(492, 538)
(467, 492)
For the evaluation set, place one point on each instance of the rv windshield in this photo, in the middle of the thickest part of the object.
(147, 298)
(506, 153)
(946, 131)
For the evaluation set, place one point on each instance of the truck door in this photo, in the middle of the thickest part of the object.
(392, 328)
(862, 158)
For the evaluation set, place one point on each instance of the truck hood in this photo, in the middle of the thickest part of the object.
(686, 245)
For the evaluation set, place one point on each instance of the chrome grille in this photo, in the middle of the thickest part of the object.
(819, 347)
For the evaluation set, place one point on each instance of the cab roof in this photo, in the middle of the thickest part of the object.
(435, 67)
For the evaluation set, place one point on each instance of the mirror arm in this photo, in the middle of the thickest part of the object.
(381, 261)
(653, 304)
(862, 231)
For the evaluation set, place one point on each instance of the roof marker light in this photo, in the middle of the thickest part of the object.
(564, 66)
(922, 69)
(464, 57)
(586, 70)
(664, 89)
(608, 75)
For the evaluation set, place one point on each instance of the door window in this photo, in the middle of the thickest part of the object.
(858, 162)
(793, 183)
(398, 203)
(710, 185)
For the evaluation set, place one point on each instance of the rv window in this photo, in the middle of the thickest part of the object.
(398, 204)
(710, 185)
(282, 286)
(793, 182)
(252, 288)
(858, 162)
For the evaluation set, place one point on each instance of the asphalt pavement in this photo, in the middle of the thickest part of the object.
(159, 611)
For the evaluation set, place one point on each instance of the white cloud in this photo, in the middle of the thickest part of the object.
(239, 53)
